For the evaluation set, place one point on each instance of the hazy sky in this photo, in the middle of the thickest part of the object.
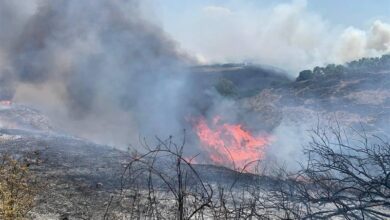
(291, 34)
(346, 12)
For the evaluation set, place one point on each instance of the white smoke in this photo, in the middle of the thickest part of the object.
(287, 35)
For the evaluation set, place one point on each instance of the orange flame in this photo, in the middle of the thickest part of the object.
(230, 144)
(6, 102)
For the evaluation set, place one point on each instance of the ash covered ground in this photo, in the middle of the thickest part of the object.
(81, 178)
(77, 176)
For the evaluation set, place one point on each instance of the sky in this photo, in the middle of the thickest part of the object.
(289, 34)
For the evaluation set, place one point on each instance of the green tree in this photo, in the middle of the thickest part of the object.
(305, 75)
(226, 87)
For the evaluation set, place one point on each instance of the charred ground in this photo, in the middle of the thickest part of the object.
(80, 176)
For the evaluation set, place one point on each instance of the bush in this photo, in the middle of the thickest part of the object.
(305, 75)
(17, 190)
(226, 87)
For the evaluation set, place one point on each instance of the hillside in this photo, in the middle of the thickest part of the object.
(77, 176)
(81, 176)
(354, 93)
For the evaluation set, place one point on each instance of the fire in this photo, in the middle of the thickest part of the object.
(230, 144)
(6, 102)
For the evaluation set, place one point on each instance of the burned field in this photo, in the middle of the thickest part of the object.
(107, 114)
(82, 180)
(232, 175)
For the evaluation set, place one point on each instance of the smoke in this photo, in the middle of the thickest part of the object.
(101, 69)
(355, 43)
(287, 35)
(105, 71)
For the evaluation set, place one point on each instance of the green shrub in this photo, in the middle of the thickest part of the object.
(305, 75)
(226, 87)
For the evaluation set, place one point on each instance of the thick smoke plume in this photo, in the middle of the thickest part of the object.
(99, 66)
(287, 35)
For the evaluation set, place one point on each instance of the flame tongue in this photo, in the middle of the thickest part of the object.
(5, 102)
(228, 144)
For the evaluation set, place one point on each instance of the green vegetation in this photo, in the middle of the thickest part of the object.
(322, 72)
(305, 75)
(382, 63)
(226, 87)
(332, 70)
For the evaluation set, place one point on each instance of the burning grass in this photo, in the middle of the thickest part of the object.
(230, 144)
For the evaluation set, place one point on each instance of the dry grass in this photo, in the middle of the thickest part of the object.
(17, 188)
